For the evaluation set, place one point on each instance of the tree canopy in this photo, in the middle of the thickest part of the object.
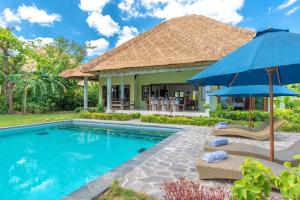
(29, 74)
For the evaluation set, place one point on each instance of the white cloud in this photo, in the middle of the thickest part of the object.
(28, 13)
(9, 16)
(104, 24)
(44, 40)
(2, 23)
(97, 47)
(223, 10)
(92, 5)
(39, 41)
(127, 6)
(291, 11)
(35, 15)
(126, 34)
(286, 4)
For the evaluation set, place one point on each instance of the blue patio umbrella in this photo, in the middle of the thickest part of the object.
(253, 91)
(271, 58)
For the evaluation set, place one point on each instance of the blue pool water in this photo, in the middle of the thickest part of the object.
(51, 161)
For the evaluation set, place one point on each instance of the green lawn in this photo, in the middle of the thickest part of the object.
(19, 119)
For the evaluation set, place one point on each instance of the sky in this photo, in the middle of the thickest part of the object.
(105, 24)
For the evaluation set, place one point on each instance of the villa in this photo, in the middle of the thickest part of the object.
(149, 100)
(164, 134)
(149, 72)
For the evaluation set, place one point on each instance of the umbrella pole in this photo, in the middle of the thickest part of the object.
(270, 73)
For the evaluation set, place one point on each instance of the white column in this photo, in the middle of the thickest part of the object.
(85, 95)
(122, 88)
(108, 98)
(207, 99)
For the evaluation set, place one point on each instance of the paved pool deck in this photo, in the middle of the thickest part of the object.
(170, 159)
(179, 158)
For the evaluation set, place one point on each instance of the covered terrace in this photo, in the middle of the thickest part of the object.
(149, 72)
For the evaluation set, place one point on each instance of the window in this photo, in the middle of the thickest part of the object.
(179, 94)
(116, 93)
(146, 92)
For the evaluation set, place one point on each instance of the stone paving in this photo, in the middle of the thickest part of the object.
(178, 159)
(172, 158)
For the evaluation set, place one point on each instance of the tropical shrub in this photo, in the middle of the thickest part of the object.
(293, 119)
(288, 182)
(90, 109)
(100, 107)
(292, 115)
(37, 108)
(256, 115)
(110, 116)
(290, 127)
(291, 102)
(3, 105)
(258, 181)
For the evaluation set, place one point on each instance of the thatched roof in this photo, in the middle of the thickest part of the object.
(75, 74)
(188, 40)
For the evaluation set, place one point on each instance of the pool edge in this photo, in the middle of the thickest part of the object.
(102, 183)
(97, 186)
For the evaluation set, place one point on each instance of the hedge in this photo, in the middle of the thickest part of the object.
(293, 119)
(110, 116)
(256, 115)
(197, 121)
(290, 127)
(81, 109)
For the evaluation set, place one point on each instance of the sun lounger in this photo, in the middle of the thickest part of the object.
(244, 149)
(256, 135)
(230, 168)
(261, 127)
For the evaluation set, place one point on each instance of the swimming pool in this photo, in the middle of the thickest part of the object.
(52, 160)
